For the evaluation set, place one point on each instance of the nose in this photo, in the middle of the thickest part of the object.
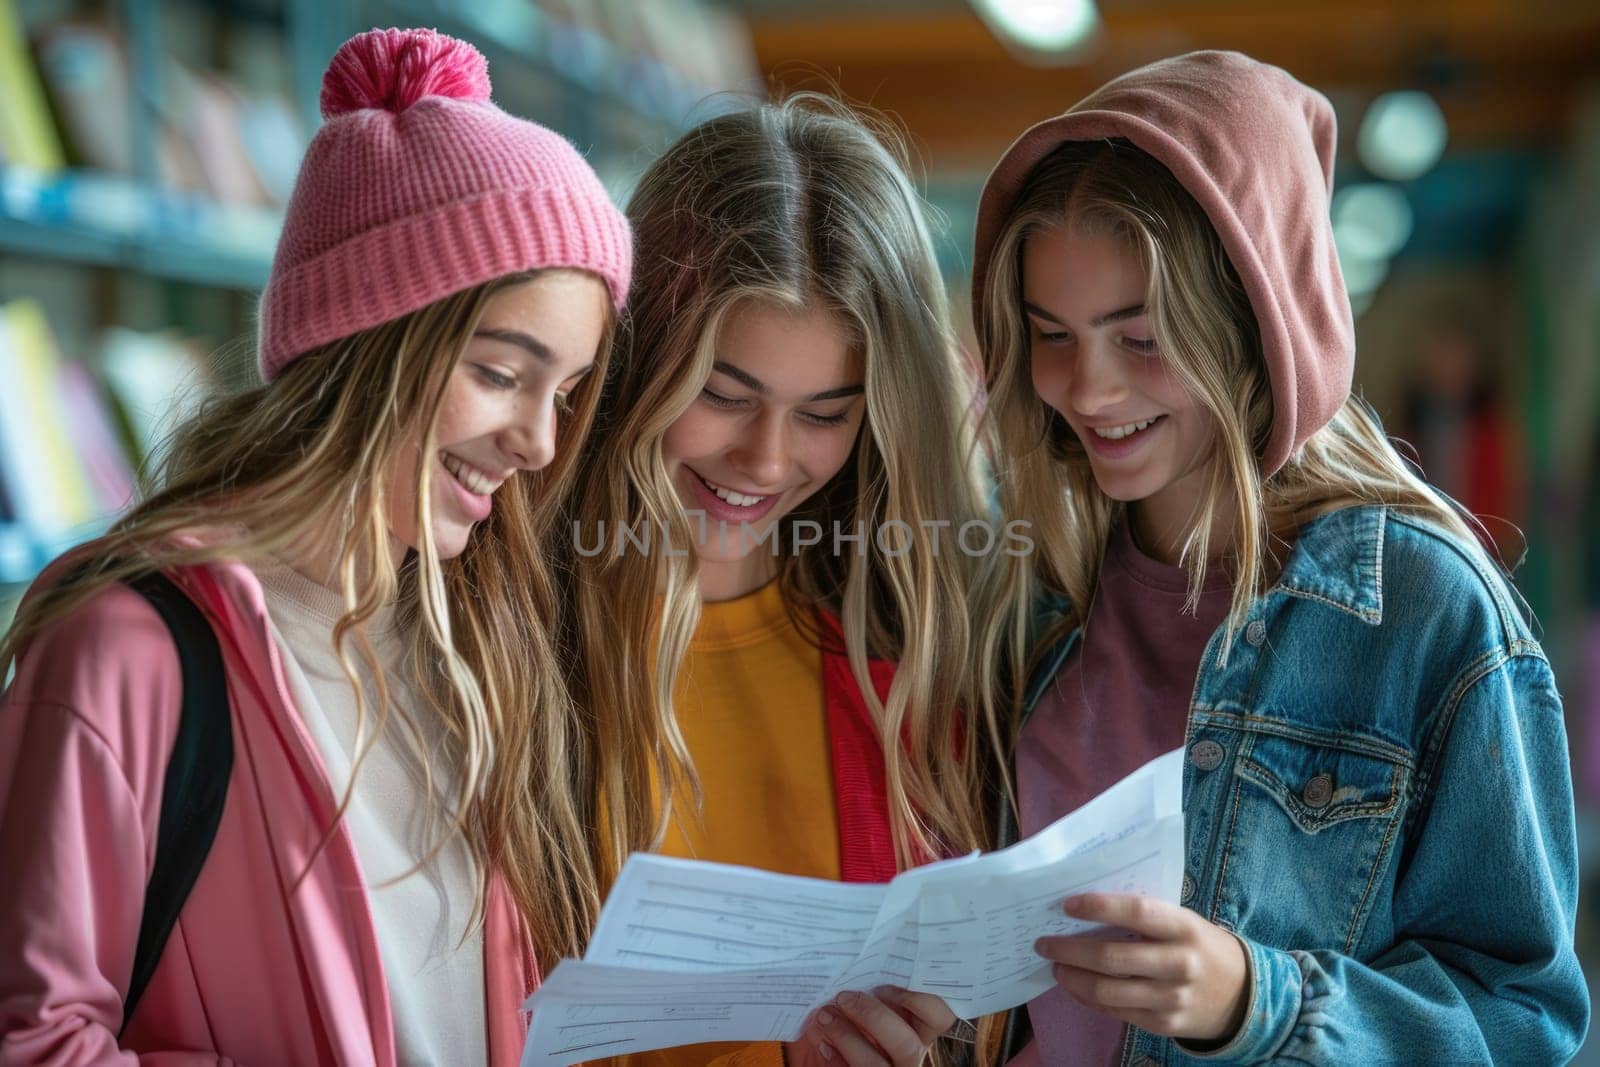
(530, 441)
(1093, 384)
(761, 452)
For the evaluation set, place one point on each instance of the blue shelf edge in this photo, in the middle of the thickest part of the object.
(107, 220)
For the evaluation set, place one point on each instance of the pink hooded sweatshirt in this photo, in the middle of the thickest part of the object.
(1255, 148)
(257, 970)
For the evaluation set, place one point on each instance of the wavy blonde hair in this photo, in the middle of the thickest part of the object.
(307, 455)
(796, 205)
(1208, 334)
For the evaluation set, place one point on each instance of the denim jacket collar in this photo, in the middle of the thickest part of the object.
(1338, 560)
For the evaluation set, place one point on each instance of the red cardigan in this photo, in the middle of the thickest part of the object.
(866, 846)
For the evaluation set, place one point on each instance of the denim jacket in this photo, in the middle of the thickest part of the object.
(1378, 800)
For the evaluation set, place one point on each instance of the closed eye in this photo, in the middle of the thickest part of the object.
(825, 420)
(1143, 345)
(494, 378)
(717, 400)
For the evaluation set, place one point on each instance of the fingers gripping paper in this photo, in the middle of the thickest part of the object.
(688, 951)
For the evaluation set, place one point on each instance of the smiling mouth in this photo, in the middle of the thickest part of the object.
(730, 496)
(469, 477)
(1117, 433)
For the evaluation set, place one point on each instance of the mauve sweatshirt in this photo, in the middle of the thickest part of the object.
(1120, 700)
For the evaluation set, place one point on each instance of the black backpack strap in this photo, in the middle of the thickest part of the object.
(197, 775)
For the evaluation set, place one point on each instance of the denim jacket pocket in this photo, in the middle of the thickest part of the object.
(1315, 817)
(1319, 785)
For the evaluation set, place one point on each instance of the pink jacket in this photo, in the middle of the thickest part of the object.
(257, 971)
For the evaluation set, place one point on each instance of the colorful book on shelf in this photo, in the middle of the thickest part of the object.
(95, 440)
(49, 486)
(63, 470)
(212, 136)
(257, 60)
(28, 135)
(275, 141)
(209, 110)
(85, 68)
(155, 381)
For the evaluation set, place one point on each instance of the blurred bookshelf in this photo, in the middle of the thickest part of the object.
(147, 150)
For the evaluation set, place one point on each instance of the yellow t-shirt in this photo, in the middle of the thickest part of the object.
(749, 702)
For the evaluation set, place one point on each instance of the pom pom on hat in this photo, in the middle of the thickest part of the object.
(393, 69)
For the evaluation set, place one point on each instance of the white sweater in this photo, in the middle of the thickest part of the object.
(435, 980)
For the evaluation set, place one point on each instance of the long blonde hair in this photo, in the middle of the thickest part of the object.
(1208, 335)
(795, 205)
(256, 472)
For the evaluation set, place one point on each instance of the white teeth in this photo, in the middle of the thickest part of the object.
(738, 500)
(471, 477)
(1117, 433)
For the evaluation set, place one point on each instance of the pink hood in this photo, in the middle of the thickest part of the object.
(1255, 148)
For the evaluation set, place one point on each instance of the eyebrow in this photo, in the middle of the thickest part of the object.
(752, 382)
(534, 347)
(1131, 312)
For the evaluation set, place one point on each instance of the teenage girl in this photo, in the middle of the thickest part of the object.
(790, 424)
(365, 534)
(1380, 855)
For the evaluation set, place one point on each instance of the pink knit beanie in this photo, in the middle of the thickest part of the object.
(1255, 148)
(417, 187)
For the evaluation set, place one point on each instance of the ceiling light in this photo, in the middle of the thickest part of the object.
(1372, 220)
(1041, 28)
(1402, 135)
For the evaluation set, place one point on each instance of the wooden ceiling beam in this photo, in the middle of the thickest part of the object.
(1505, 71)
(1358, 25)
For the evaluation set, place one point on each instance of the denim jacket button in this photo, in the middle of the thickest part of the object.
(1255, 632)
(1186, 894)
(1318, 792)
(1206, 755)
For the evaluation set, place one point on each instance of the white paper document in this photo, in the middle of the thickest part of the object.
(687, 951)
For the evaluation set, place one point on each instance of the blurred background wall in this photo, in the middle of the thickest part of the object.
(147, 150)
